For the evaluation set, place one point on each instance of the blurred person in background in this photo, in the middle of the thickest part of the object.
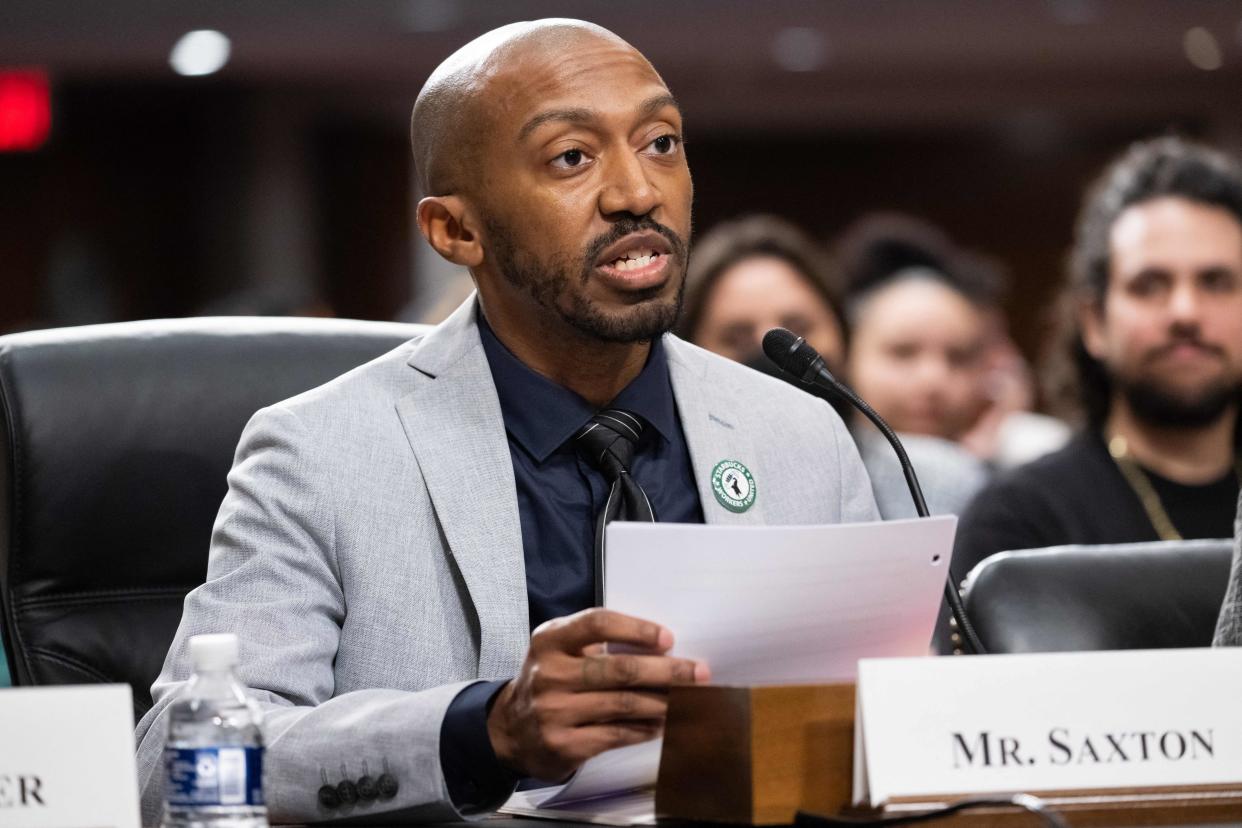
(1156, 340)
(931, 347)
(1009, 432)
(759, 272)
(756, 273)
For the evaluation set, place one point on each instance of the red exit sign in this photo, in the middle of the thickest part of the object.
(25, 109)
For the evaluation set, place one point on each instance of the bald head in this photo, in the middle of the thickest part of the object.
(452, 116)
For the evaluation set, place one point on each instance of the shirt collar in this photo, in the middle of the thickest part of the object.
(541, 415)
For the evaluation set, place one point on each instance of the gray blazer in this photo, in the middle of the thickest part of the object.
(1229, 627)
(369, 554)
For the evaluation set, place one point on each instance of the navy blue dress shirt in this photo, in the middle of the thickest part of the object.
(558, 497)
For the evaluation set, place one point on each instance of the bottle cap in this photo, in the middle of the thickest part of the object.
(217, 651)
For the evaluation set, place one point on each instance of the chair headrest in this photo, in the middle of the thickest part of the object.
(1103, 597)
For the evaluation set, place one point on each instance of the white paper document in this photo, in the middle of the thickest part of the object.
(624, 769)
(784, 604)
(626, 808)
(761, 605)
(614, 788)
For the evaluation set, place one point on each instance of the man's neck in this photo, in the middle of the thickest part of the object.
(1192, 456)
(595, 370)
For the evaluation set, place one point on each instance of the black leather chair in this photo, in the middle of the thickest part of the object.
(117, 440)
(1112, 597)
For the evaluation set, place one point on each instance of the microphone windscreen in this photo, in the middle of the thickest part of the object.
(789, 351)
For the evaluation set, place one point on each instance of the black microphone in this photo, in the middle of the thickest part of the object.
(793, 355)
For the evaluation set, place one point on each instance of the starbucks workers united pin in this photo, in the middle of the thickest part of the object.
(733, 485)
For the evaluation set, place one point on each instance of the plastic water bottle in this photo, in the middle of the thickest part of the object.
(213, 758)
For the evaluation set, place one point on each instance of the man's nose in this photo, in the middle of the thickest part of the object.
(931, 371)
(627, 187)
(1185, 304)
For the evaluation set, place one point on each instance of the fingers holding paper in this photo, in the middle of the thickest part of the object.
(573, 699)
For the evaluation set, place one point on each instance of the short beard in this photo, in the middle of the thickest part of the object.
(1157, 406)
(550, 282)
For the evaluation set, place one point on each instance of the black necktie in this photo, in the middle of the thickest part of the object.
(607, 442)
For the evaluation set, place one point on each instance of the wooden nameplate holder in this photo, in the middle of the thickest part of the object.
(758, 755)
(748, 754)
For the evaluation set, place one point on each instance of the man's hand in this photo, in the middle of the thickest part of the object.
(573, 700)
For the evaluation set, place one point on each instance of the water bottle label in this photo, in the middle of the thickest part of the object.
(214, 776)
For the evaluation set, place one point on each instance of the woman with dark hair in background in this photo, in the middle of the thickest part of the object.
(756, 273)
(759, 272)
(931, 350)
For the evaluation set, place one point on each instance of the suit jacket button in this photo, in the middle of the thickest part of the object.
(328, 797)
(367, 789)
(347, 792)
(387, 786)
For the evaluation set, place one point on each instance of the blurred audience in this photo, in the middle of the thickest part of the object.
(759, 272)
(1156, 333)
(931, 350)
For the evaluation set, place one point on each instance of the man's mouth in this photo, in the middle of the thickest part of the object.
(634, 252)
(634, 260)
(1184, 349)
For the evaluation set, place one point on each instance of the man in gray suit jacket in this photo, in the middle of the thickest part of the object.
(370, 554)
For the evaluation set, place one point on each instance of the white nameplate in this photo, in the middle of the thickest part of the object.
(933, 728)
(67, 757)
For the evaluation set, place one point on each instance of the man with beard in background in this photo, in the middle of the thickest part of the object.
(409, 554)
(1157, 275)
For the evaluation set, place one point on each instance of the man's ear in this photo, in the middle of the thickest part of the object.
(447, 226)
(1091, 324)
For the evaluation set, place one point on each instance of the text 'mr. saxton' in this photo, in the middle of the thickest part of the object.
(1065, 747)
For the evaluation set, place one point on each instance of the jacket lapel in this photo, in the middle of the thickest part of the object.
(454, 424)
(716, 429)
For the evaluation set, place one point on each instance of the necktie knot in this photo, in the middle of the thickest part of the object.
(607, 444)
(608, 441)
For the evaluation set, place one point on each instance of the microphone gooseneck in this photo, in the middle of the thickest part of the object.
(793, 355)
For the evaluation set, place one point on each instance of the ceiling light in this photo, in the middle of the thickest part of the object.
(201, 52)
(799, 49)
(432, 15)
(25, 109)
(1075, 12)
(1202, 49)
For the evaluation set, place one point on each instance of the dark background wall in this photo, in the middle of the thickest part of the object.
(284, 180)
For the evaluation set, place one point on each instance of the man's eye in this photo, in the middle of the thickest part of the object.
(903, 351)
(570, 159)
(1219, 280)
(665, 144)
(1148, 283)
